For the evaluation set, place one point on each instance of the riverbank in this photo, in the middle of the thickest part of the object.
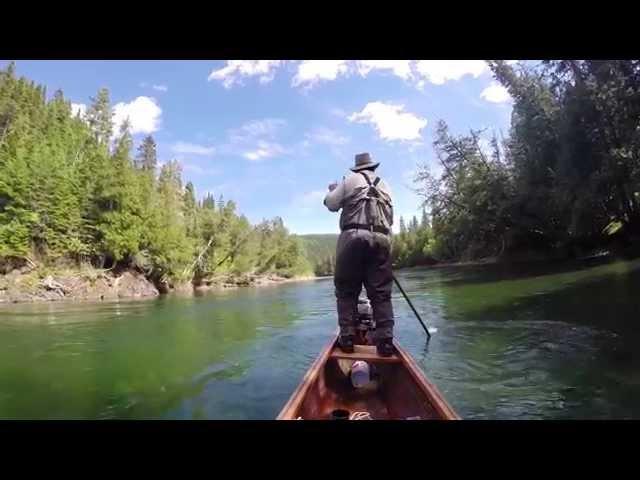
(30, 284)
(527, 258)
(27, 284)
(226, 282)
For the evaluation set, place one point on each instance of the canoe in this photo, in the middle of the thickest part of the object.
(398, 389)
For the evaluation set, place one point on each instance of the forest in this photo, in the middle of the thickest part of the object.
(564, 182)
(75, 192)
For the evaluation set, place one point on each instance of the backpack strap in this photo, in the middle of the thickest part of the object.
(371, 184)
(366, 179)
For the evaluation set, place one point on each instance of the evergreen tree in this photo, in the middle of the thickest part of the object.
(209, 202)
(414, 225)
(190, 211)
(121, 221)
(147, 157)
(403, 228)
(99, 117)
(66, 197)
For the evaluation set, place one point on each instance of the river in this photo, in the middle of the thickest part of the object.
(534, 342)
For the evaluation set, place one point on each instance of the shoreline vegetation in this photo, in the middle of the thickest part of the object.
(32, 285)
(81, 215)
(563, 183)
(84, 214)
(29, 285)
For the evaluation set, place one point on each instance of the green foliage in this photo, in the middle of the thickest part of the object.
(413, 245)
(320, 250)
(66, 196)
(567, 177)
(467, 200)
(99, 117)
(147, 157)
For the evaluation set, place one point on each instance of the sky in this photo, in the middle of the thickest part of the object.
(271, 135)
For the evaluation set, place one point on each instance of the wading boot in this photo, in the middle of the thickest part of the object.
(345, 342)
(385, 347)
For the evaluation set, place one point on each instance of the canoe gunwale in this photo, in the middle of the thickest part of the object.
(428, 389)
(294, 402)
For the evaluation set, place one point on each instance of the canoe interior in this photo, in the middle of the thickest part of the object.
(398, 391)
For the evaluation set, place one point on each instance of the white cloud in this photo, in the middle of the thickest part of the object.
(400, 68)
(496, 93)
(256, 140)
(233, 72)
(264, 150)
(326, 136)
(160, 88)
(310, 72)
(440, 71)
(418, 72)
(338, 112)
(78, 108)
(189, 167)
(266, 127)
(192, 148)
(143, 113)
(391, 121)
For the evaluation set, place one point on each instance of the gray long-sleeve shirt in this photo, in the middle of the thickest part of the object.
(338, 198)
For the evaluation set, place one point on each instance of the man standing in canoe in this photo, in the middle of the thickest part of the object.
(363, 253)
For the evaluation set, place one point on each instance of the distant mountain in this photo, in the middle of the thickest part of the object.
(320, 251)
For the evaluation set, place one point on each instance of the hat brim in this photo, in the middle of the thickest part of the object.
(372, 165)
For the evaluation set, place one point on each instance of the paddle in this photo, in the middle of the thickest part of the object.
(412, 307)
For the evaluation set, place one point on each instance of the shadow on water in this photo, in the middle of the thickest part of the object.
(551, 344)
(502, 271)
(130, 359)
(560, 345)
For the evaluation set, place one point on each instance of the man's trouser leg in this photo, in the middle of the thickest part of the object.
(348, 278)
(379, 281)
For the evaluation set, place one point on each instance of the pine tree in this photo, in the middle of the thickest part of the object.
(11, 69)
(209, 202)
(147, 158)
(99, 117)
(171, 250)
(414, 225)
(190, 211)
(120, 222)
(64, 195)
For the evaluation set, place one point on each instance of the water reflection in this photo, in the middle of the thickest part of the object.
(556, 343)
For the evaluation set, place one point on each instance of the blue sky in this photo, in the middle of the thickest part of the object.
(272, 134)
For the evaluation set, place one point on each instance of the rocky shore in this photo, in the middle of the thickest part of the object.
(30, 285)
(23, 285)
(228, 281)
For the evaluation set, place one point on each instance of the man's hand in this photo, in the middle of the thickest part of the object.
(332, 186)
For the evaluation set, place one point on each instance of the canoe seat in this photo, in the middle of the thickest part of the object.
(364, 352)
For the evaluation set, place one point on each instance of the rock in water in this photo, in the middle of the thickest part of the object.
(135, 285)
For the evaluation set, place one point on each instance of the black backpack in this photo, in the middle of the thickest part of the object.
(377, 204)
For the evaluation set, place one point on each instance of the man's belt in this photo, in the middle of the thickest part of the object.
(361, 226)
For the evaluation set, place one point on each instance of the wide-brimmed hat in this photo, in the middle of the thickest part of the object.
(363, 161)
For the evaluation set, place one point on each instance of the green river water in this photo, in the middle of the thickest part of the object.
(528, 342)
